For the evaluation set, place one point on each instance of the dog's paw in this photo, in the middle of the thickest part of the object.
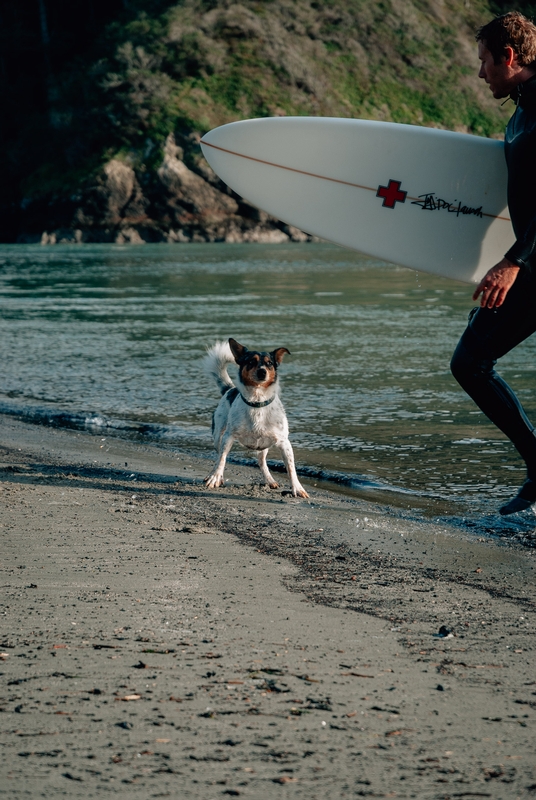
(273, 485)
(299, 491)
(213, 481)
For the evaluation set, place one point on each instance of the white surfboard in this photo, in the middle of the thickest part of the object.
(427, 199)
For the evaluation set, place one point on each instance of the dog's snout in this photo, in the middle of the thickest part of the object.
(261, 374)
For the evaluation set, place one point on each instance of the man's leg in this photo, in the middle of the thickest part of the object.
(490, 335)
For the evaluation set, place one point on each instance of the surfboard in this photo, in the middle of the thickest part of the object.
(423, 198)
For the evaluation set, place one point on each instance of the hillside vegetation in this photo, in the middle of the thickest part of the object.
(110, 149)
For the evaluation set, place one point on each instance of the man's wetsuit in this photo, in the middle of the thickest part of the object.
(491, 333)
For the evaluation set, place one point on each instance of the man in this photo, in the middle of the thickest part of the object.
(507, 312)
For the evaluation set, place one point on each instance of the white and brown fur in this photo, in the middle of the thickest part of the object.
(257, 428)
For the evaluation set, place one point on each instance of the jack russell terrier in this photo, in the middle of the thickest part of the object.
(250, 413)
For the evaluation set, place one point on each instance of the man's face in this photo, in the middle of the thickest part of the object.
(498, 76)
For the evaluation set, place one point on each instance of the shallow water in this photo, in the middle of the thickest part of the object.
(113, 335)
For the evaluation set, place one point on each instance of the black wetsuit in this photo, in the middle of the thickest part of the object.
(491, 333)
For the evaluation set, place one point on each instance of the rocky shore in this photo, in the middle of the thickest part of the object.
(180, 200)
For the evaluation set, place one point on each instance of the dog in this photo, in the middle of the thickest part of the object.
(250, 413)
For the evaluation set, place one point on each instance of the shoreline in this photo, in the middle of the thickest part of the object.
(456, 514)
(299, 646)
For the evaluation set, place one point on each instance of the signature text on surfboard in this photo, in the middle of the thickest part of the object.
(429, 202)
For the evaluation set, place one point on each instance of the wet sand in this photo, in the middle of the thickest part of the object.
(162, 640)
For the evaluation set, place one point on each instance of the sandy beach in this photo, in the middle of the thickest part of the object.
(163, 640)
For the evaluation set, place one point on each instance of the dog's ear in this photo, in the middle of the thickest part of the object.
(278, 354)
(238, 350)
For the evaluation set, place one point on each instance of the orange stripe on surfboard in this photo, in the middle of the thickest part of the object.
(320, 177)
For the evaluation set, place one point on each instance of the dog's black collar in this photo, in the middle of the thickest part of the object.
(232, 394)
(257, 405)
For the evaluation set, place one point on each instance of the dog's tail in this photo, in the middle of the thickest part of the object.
(215, 365)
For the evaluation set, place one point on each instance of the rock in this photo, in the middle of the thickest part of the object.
(189, 190)
(295, 234)
(129, 236)
(120, 182)
(63, 236)
(177, 202)
(262, 236)
(58, 236)
(113, 200)
(250, 211)
(177, 236)
(125, 199)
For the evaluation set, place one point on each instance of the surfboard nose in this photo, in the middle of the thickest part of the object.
(371, 186)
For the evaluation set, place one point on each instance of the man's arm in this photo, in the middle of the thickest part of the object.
(496, 284)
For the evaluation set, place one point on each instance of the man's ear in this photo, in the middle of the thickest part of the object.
(278, 354)
(510, 57)
(238, 350)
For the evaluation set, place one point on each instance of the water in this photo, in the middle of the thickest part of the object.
(110, 335)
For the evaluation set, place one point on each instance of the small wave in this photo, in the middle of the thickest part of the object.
(99, 424)
(349, 480)
(470, 441)
(187, 437)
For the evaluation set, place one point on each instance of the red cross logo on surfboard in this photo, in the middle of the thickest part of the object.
(391, 194)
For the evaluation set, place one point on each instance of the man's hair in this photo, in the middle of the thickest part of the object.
(510, 30)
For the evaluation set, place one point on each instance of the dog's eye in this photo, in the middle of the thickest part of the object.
(268, 364)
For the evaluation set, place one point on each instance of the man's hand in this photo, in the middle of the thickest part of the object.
(496, 284)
